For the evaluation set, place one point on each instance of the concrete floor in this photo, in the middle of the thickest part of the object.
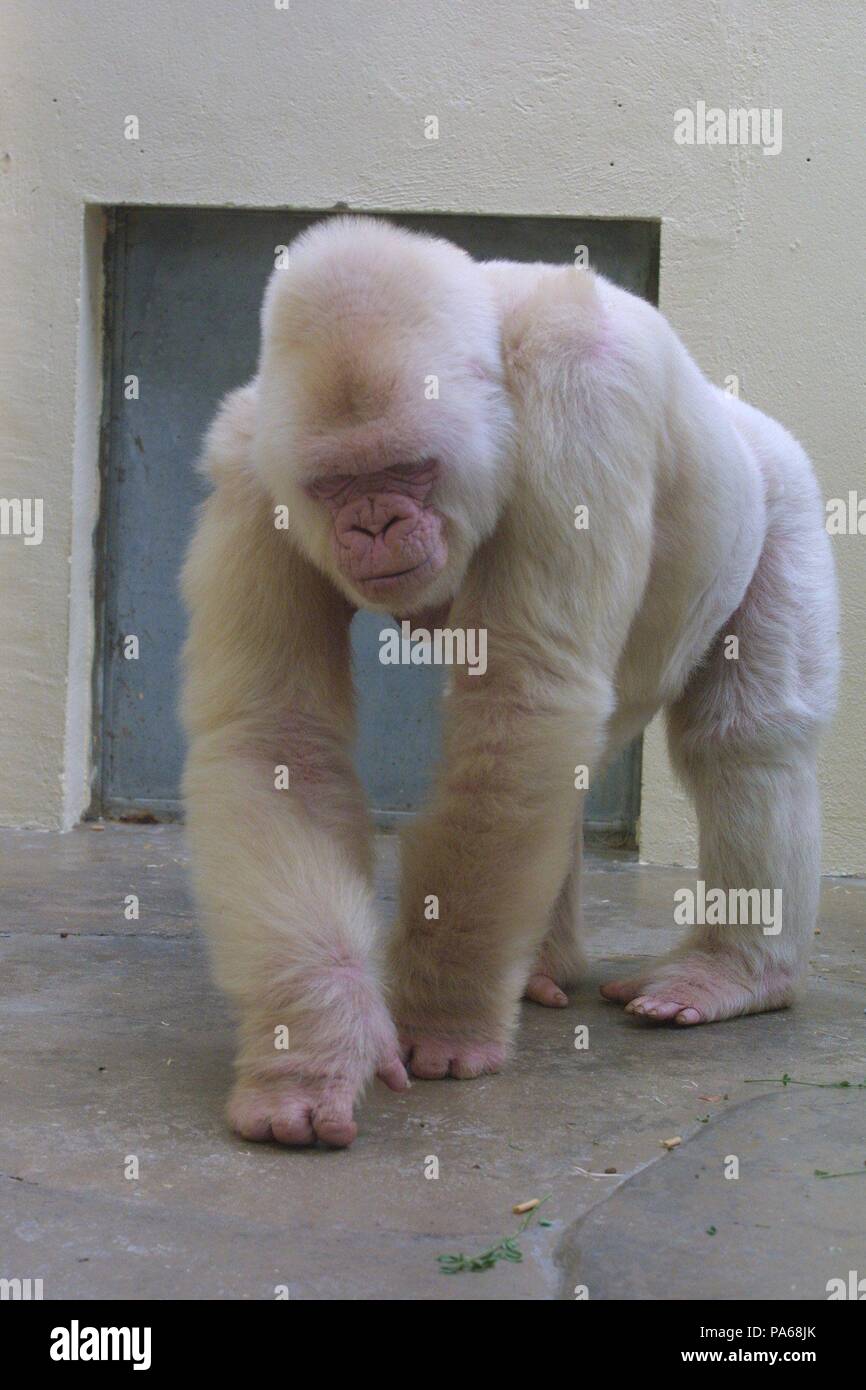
(115, 1044)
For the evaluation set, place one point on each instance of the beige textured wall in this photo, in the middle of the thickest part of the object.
(543, 108)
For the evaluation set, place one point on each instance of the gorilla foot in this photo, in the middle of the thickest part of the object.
(704, 987)
(436, 1056)
(342, 1037)
(298, 1110)
(543, 989)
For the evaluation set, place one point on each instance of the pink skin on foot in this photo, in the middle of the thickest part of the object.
(297, 1112)
(541, 989)
(432, 1058)
(341, 1036)
(701, 988)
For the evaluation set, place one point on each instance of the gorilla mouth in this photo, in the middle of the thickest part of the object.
(392, 578)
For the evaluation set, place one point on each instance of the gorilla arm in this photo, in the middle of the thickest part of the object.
(277, 824)
(494, 850)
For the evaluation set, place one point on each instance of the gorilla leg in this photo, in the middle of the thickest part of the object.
(561, 960)
(743, 737)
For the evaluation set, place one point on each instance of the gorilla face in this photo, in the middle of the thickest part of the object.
(387, 539)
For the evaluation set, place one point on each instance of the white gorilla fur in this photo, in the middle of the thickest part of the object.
(556, 390)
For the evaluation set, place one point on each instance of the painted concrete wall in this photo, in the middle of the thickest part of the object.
(542, 108)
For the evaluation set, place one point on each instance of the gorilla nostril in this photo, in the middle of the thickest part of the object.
(374, 529)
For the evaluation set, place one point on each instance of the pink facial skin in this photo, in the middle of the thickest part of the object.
(386, 536)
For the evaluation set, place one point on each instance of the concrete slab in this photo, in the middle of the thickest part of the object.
(116, 1046)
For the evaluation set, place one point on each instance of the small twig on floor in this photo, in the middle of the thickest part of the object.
(786, 1080)
(853, 1173)
(505, 1249)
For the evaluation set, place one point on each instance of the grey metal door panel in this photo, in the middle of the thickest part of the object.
(183, 293)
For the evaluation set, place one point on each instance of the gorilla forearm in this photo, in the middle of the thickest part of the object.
(277, 822)
(491, 854)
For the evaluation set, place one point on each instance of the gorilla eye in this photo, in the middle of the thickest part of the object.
(422, 472)
(324, 489)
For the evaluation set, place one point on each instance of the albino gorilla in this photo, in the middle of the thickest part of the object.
(556, 391)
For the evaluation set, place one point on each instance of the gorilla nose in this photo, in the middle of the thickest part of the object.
(380, 519)
(379, 535)
(378, 526)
